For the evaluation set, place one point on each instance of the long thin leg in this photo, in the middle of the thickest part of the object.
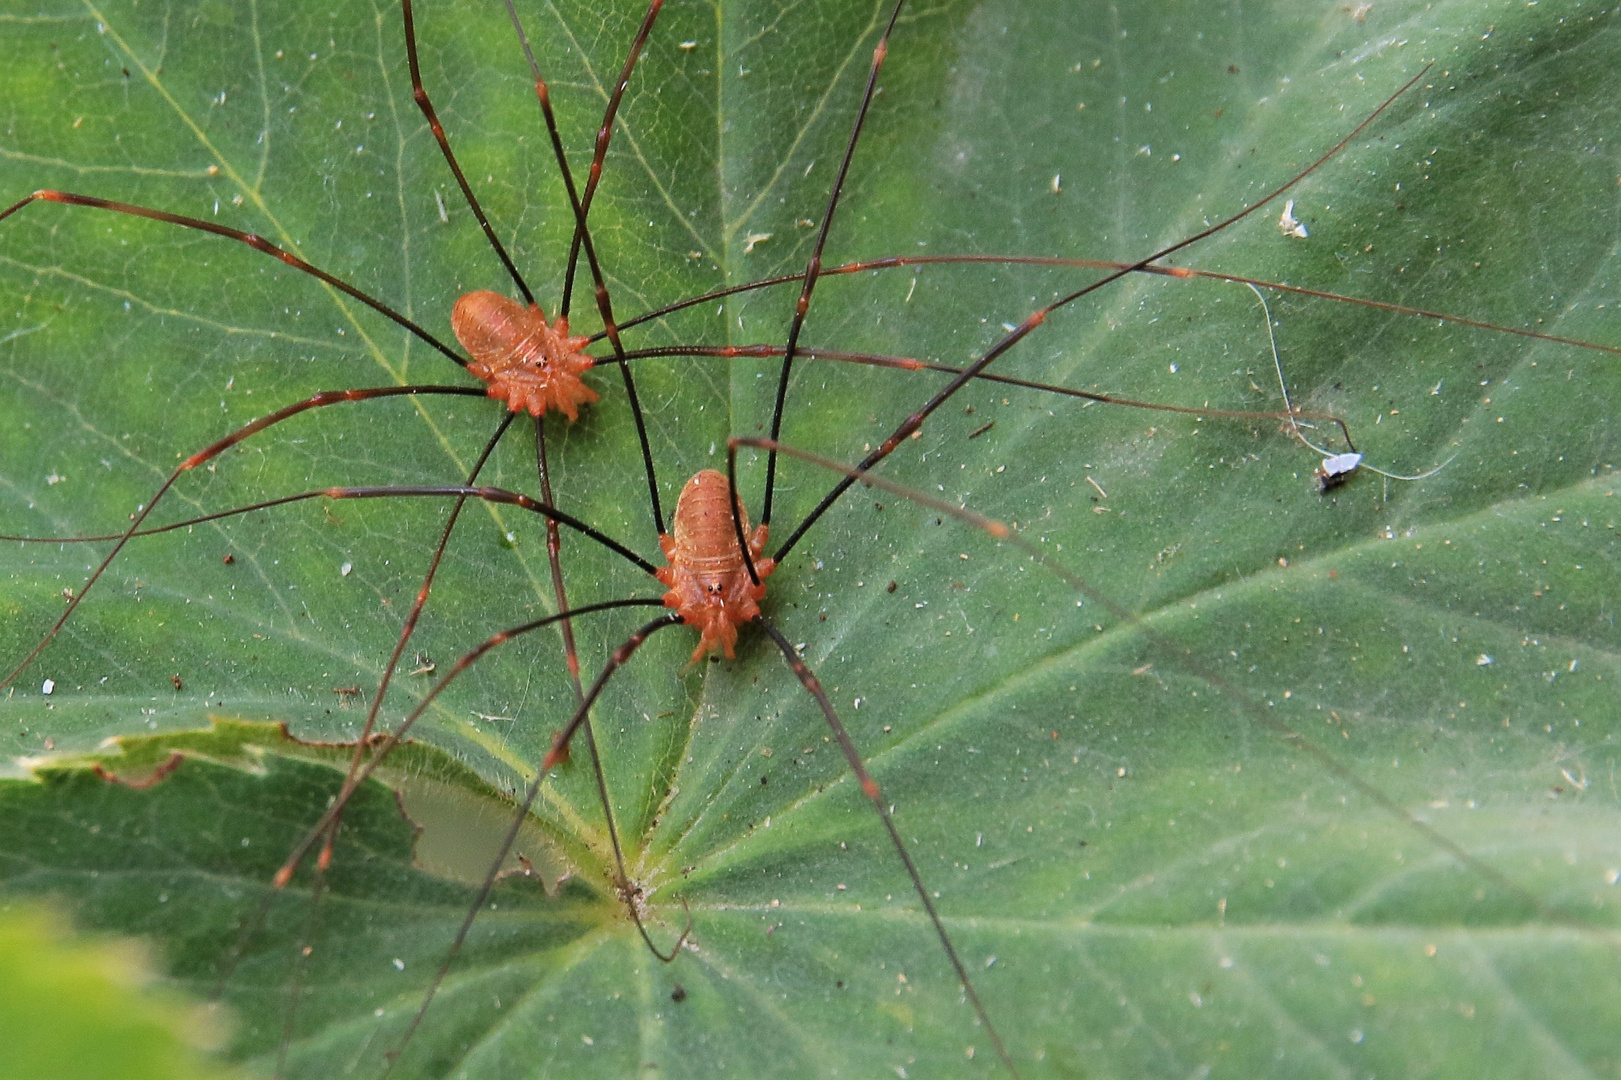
(813, 268)
(870, 788)
(583, 234)
(258, 243)
(411, 618)
(326, 397)
(387, 743)
(1180, 657)
(554, 546)
(487, 494)
(324, 860)
(894, 261)
(300, 956)
(420, 95)
(620, 656)
(604, 134)
(384, 747)
(1036, 318)
(903, 363)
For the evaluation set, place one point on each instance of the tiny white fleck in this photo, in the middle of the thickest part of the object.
(399, 965)
(1288, 224)
(345, 568)
(1340, 464)
(588, 1040)
(50, 685)
(1482, 660)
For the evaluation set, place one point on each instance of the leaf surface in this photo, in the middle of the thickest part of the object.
(1301, 784)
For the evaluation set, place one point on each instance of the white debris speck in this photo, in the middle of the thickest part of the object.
(1288, 224)
(345, 568)
(1058, 183)
(48, 687)
(399, 965)
(1483, 660)
(54, 479)
(1340, 464)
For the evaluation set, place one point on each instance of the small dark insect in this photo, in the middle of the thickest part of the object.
(892, 586)
(228, 560)
(678, 993)
(178, 685)
(346, 693)
(982, 429)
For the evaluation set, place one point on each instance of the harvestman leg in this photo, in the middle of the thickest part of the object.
(329, 819)
(620, 655)
(915, 421)
(580, 207)
(894, 261)
(362, 741)
(604, 133)
(582, 235)
(905, 363)
(425, 104)
(627, 892)
(813, 268)
(258, 243)
(208, 453)
(1287, 732)
(869, 787)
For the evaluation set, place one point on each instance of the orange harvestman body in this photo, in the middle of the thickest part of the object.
(532, 365)
(710, 586)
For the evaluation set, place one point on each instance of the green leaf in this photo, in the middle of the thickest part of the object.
(1305, 785)
(75, 1009)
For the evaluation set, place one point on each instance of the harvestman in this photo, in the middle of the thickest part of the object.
(748, 553)
(533, 366)
(716, 581)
